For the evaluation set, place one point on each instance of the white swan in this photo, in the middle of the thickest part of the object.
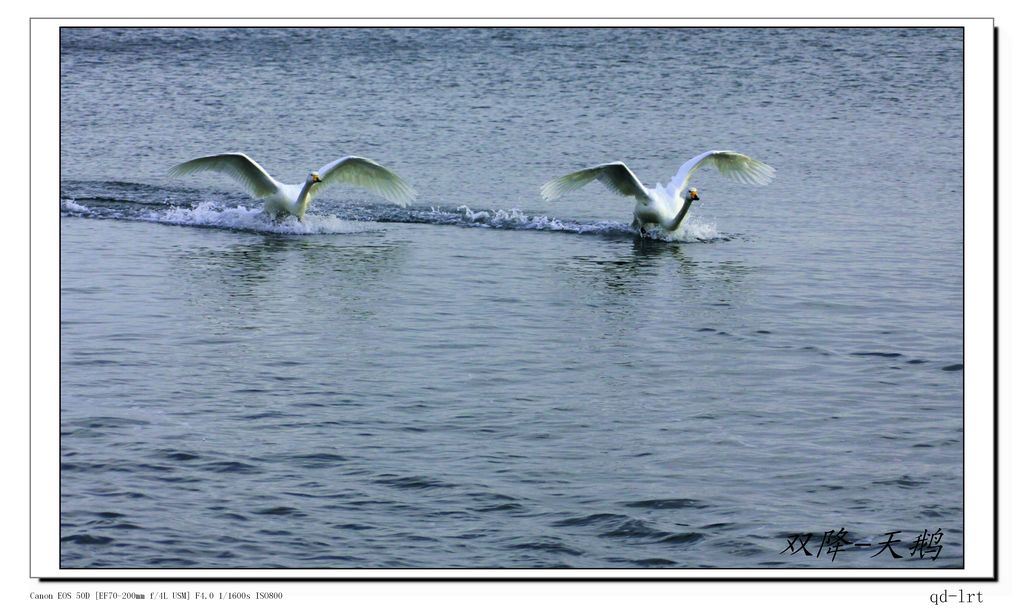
(280, 199)
(665, 206)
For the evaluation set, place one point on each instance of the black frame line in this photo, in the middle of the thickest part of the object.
(270, 579)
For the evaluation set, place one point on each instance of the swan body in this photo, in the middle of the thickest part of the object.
(662, 206)
(282, 199)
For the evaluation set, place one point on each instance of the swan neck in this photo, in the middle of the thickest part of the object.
(682, 214)
(305, 189)
(303, 200)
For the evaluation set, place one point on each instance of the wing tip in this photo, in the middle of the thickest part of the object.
(551, 190)
(765, 173)
(407, 198)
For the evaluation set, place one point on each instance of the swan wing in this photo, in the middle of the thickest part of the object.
(616, 176)
(367, 174)
(732, 165)
(238, 166)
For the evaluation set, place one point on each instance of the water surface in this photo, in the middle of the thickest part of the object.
(485, 379)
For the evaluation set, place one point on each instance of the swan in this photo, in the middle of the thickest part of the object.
(665, 206)
(282, 199)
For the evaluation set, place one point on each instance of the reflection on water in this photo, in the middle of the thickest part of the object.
(257, 271)
(643, 266)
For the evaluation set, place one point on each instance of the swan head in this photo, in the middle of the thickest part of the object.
(314, 178)
(692, 194)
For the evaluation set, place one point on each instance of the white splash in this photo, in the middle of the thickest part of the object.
(68, 205)
(210, 214)
(690, 231)
(517, 219)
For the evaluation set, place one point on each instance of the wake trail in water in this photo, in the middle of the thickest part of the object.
(214, 215)
(351, 218)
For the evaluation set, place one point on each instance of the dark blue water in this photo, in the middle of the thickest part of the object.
(485, 379)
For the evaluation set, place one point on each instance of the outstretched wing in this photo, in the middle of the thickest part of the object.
(366, 174)
(731, 164)
(238, 166)
(616, 176)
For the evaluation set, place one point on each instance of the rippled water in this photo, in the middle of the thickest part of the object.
(484, 379)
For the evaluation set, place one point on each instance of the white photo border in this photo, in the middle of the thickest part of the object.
(980, 228)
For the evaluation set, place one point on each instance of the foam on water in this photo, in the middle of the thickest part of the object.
(254, 219)
(210, 214)
(694, 229)
(516, 219)
(68, 205)
(354, 217)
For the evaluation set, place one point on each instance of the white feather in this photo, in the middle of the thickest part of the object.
(282, 199)
(732, 165)
(665, 206)
(367, 174)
